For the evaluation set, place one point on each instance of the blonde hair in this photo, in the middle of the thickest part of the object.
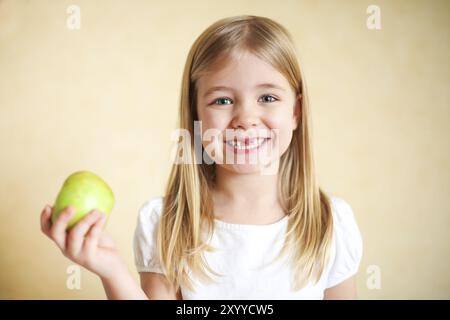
(187, 205)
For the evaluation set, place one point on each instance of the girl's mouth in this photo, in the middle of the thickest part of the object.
(249, 145)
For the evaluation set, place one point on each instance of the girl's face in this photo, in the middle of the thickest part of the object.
(248, 112)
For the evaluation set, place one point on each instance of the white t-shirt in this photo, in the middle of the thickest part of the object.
(245, 252)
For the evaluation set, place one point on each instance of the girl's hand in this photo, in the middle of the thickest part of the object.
(86, 243)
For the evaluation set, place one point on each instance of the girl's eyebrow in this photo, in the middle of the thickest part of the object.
(270, 85)
(225, 88)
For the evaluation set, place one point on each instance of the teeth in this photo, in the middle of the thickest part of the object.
(240, 145)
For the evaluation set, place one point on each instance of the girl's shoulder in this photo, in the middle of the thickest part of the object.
(343, 215)
(348, 242)
(145, 236)
(149, 213)
(344, 220)
(151, 207)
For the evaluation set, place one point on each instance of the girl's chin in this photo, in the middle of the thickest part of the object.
(244, 168)
(247, 168)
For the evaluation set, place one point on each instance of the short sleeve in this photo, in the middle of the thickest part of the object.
(348, 243)
(145, 236)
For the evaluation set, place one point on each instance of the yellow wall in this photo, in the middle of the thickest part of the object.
(104, 98)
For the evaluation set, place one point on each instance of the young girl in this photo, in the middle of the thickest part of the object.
(233, 229)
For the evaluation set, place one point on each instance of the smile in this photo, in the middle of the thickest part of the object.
(247, 145)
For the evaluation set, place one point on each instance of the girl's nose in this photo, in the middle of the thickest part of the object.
(245, 117)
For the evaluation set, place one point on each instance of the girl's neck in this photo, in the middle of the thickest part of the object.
(246, 198)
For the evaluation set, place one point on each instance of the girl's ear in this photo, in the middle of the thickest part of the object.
(297, 112)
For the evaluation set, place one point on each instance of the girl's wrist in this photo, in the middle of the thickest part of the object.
(119, 284)
(117, 270)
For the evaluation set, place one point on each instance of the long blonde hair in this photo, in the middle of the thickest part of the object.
(187, 206)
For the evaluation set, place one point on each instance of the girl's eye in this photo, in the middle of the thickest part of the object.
(269, 98)
(226, 101)
(222, 101)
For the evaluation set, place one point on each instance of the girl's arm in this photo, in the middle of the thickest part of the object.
(89, 246)
(157, 287)
(122, 286)
(345, 290)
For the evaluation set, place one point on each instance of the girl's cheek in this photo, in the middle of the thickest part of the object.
(275, 123)
(279, 120)
(214, 121)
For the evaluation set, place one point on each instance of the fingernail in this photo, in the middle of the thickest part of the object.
(69, 212)
(95, 214)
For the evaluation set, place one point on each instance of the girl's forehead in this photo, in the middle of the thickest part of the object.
(244, 70)
(231, 61)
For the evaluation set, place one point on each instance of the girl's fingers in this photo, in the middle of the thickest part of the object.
(46, 222)
(75, 238)
(58, 229)
(94, 234)
(105, 241)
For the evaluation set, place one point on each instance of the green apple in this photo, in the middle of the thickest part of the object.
(84, 191)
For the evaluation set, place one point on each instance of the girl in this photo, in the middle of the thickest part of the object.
(233, 229)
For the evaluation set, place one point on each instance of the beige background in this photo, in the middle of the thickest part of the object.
(105, 97)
